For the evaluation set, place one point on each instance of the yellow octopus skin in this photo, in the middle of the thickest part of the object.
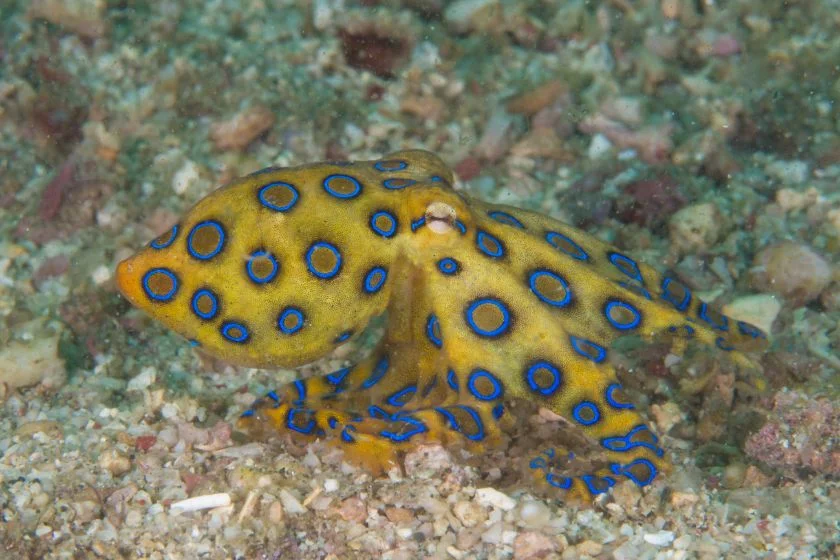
(485, 303)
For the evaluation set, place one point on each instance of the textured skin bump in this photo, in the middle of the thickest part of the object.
(485, 303)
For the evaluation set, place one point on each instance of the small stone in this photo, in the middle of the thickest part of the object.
(427, 460)
(532, 545)
(791, 270)
(187, 176)
(330, 485)
(682, 500)
(733, 475)
(291, 504)
(793, 172)
(101, 274)
(37, 361)
(242, 129)
(661, 538)
(490, 497)
(534, 515)
(469, 514)
(589, 548)
(115, 462)
(760, 310)
(696, 228)
(143, 380)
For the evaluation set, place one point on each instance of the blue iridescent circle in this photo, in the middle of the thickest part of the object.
(160, 297)
(505, 218)
(204, 292)
(531, 377)
(292, 313)
(249, 264)
(433, 330)
(588, 349)
(479, 374)
(556, 302)
(478, 435)
(452, 380)
(397, 183)
(578, 410)
(357, 186)
(615, 306)
(401, 397)
(379, 371)
(489, 245)
(158, 244)
(721, 322)
(672, 298)
(235, 332)
(390, 165)
(403, 434)
(448, 266)
(562, 482)
(333, 249)
(591, 481)
(375, 279)
(386, 232)
(343, 336)
(565, 244)
(492, 333)
(215, 251)
(627, 470)
(295, 195)
(626, 265)
(610, 397)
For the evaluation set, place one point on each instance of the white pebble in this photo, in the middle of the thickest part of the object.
(330, 485)
(534, 515)
(101, 274)
(599, 146)
(198, 503)
(662, 538)
(291, 505)
(143, 380)
(185, 177)
(493, 498)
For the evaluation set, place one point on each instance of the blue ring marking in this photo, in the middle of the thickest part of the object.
(559, 241)
(479, 374)
(686, 331)
(337, 378)
(625, 443)
(249, 263)
(290, 421)
(557, 378)
(383, 232)
(498, 331)
(590, 481)
(448, 266)
(290, 311)
(505, 218)
(390, 183)
(357, 186)
(431, 323)
(721, 343)
(278, 208)
(435, 178)
(377, 412)
(489, 245)
(586, 405)
(194, 304)
(247, 414)
(532, 282)
(379, 371)
(588, 349)
(173, 233)
(562, 482)
(610, 398)
(345, 434)
(617, 304)
(332, 422)
(205, 256)
(680, 305)
(453, 423)
(498, 411)
(397, 398)
(333, 249)
(401, 435)
(703, 313)
(342, 337)
(418, 223)
(750, 330)
(626, 266)
(300, 387)
(375, 279)
(390, 165)
(627, 471)
(228, 326)
(194, 343)
(452, 380)
(160, 297)
(273, 396)
(461, 227)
